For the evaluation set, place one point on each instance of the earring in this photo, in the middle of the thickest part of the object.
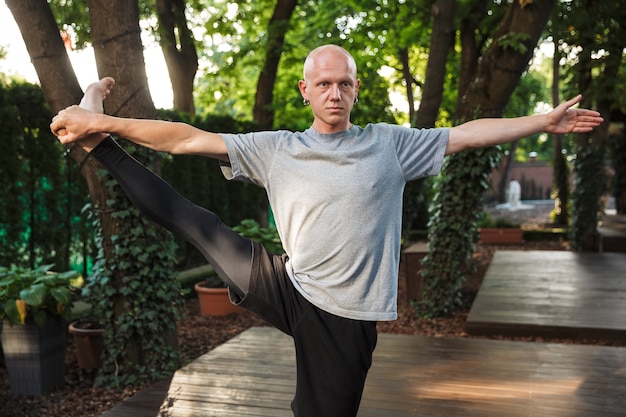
(306, 102)
(356, 100)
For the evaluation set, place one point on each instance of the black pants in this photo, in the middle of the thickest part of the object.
(333, 354)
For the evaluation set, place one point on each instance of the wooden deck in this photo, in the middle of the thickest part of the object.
(557, 294)
(253, 375)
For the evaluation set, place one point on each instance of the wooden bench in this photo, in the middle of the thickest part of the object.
(612, 230)
(413, 256)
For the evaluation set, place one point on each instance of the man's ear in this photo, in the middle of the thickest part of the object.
(302, 88)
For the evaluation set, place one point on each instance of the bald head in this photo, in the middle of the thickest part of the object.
(331, 51)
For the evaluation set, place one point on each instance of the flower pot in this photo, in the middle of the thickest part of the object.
(89, 342)
(215, 301)
(35, 356)
(495, 236)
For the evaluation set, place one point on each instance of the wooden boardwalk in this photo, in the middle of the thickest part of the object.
(555, 294)
(253, 375)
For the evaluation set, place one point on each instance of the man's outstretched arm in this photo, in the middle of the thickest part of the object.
(86, 125)
(489, 132)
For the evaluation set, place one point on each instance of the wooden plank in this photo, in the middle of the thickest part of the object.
(144, 404)
(556, 294)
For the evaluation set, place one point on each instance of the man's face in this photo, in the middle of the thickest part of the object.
(331, 86)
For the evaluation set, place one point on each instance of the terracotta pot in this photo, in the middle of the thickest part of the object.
(89, 344)
(501, 236)
(215, 301)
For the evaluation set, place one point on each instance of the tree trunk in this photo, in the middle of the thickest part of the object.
(57, 79)
(591, 182)
(441, 42)
(465, 175)
(502, 65)
(409, 80)
(263, 113)
(470, 49)
(561, 171)
(179, 50)
(117, 45)
(119, 53)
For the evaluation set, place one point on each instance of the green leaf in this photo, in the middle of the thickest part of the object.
(62, 295)
(35, 295)
(40, 317)
(12, 312)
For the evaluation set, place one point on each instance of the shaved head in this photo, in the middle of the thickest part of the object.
(309, 63)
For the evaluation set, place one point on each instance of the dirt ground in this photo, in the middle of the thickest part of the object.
(198, 335)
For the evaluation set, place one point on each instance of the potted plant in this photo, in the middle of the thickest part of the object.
(213, 297)
(35, 305)
(499, 231)
(88, 336)
(87, 330)
(212, 292)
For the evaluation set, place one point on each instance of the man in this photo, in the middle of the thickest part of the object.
(336, 192)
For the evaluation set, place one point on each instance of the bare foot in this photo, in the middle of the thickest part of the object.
(95, 95)
(73, 123)
(92, 101)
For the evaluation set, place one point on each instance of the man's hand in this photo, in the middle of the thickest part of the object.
(564, 119)
(72, 124)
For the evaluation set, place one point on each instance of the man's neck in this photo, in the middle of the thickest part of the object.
(326, 128)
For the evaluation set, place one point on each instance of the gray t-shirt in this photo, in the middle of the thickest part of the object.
(337, 201)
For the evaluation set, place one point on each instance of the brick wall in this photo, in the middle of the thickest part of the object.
(535, 178)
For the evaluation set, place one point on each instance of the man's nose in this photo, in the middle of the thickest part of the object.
(335, 93)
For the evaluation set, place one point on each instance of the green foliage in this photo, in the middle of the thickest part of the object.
(10, 180)
(486, 221)
(250, 228)
(33, 295)
(213, 281)
(72, 16)
(266, 236)
(228, 87)
(40, 219)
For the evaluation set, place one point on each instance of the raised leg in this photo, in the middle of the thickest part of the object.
(228, 252)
